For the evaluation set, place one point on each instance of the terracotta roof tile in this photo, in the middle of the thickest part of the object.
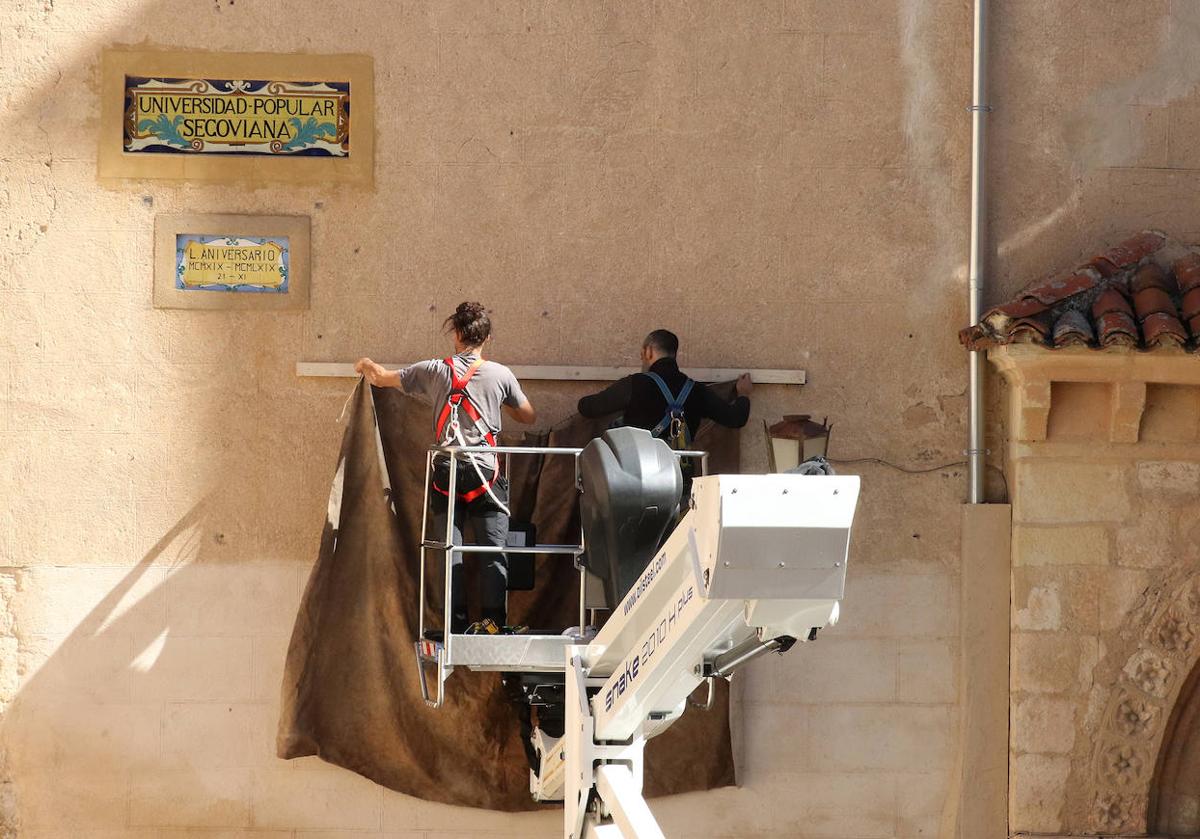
(1187, 272)
(1163, 330)
(1116, 329)
(1073, 329)
(1139, 293)
(1052, 291)
(1151, 276)
(1040, 296)
(1151, 301)
(1022, 308)
(1029, 329)
(1111, 300)
(1129, 252)
(1189, 306)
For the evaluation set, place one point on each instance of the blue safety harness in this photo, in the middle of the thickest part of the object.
(673, 426)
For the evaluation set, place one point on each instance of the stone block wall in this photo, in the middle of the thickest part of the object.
(865, 717)
(1105, 545)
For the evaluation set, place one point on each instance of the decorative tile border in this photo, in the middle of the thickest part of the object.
(236, 117)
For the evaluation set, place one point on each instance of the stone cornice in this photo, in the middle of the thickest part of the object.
(1030, 370)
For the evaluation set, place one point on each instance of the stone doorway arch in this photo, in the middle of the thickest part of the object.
(1174, 805)
(1141, 768)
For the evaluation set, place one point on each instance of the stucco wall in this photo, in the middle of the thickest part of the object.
(1095, 105)
(780, 181)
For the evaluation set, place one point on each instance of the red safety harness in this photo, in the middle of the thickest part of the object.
(449, 431)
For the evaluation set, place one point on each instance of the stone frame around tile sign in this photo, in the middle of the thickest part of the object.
(168, 226)
(115, 164)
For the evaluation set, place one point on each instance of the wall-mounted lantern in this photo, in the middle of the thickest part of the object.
(795, 439)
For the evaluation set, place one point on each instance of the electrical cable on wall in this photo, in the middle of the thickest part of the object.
(911, 471)
(897, 467)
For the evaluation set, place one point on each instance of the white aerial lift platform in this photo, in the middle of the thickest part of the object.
(756, 564)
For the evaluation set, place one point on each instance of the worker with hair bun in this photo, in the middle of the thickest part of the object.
(469, 396)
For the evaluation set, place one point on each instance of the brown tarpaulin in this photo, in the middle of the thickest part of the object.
(350, 688)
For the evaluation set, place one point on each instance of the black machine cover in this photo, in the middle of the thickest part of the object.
(631, 490)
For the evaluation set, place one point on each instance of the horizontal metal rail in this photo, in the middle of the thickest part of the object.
(574, 550)
(537, 450)
(503, 450)
(445, 658)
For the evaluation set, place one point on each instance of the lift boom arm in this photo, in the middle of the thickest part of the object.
(758, 563)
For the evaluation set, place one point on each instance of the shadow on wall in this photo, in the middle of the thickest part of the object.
(134, 719)
(141, 694)
(152, 700)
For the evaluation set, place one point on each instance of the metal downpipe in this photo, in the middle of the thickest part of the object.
(979, 109)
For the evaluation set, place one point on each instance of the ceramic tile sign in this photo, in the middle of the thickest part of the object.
(236, 117)
(241, 119)
(243, 264)
(231, 262)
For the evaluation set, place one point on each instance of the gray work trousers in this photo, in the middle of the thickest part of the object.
(490, 527)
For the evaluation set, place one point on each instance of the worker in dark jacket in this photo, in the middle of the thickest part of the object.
(641, 401)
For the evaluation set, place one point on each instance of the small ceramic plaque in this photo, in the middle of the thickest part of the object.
(231, 262)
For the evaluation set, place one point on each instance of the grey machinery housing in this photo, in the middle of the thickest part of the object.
(631, 484)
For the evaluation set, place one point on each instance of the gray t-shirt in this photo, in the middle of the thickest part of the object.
(492, 387)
